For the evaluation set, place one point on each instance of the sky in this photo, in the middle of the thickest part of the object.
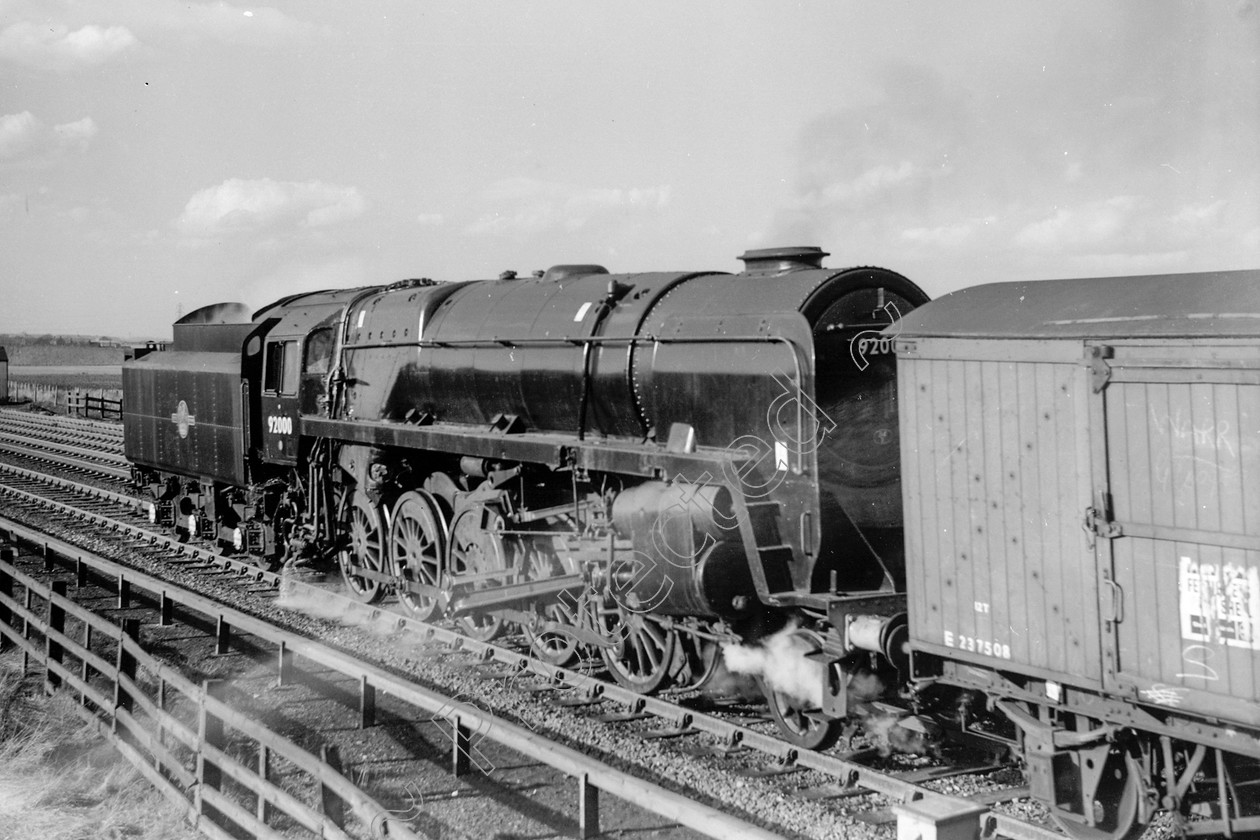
(157, 156)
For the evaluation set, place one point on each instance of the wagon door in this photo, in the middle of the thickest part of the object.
(1177, 520)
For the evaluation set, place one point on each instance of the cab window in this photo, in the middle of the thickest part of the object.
(319, 352)
(281, 374)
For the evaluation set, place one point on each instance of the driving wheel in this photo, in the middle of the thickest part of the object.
(476, 554)
(417, 544)
(361, 521)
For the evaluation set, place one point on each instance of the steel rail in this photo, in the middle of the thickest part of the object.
(57, 434)
(63, 421)
(73, 486)
(54, 450)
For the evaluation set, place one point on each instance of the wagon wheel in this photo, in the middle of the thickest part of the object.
(801, 723)
(361, 522)
(554, 648)
(417, 546)
(642, 656)
(1116, 803)
(475, 549)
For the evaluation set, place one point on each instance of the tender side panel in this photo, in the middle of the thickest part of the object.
(182, 414)
(1184, 468)
(997, 480)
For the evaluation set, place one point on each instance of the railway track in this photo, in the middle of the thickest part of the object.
(727, 744)
(93, 448)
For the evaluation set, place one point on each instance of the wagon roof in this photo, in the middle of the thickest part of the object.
(1209, 304)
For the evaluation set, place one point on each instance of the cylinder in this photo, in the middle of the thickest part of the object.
(4, 376)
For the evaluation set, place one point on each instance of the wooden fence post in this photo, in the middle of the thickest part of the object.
(329, 802)
(27, 600)
(285, 657)
(367, 703)
(588, 808)
(461, 740)
(83, 666)
(210, 731)
(222, 637)
(264, 773)
(53, 650)
(126, 667)
(7, 556)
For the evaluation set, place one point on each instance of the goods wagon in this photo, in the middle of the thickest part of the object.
(1081, 480)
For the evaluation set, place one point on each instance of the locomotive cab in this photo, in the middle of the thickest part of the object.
(297, 362)
(282, 358)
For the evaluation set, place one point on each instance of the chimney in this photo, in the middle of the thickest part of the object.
(782, 260)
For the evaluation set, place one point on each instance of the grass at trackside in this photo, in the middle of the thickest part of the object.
(84, 381)
(61, 780)
(62, 354)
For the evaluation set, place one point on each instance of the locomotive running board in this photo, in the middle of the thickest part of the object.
(489, 599)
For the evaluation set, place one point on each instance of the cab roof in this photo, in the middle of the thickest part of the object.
(1215, 304)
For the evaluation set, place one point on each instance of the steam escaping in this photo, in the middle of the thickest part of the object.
(311, 603)
(898, 733)
(780, 661)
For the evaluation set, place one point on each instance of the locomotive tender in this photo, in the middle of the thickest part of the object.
(653, 466)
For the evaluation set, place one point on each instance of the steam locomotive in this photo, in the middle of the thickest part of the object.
(656, 467)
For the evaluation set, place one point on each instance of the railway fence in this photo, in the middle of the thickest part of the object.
(129, 713)
(90, 404)
(176, 732)
(105, 403)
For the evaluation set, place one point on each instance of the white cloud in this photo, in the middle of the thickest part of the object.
(1097, 223)
(948, 236)
(79, 132)
(301, 275)
(1198, 216)
(430, 220)
(45, 43)
(18, 133)
(56, 47)
(527, 206)
(874, 180)
(26, 135)
(233, 24)
(239, 206)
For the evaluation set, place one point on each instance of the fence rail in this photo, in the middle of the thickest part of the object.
(468, 724)
(105, 403)
(132, 697)
(89, 404)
